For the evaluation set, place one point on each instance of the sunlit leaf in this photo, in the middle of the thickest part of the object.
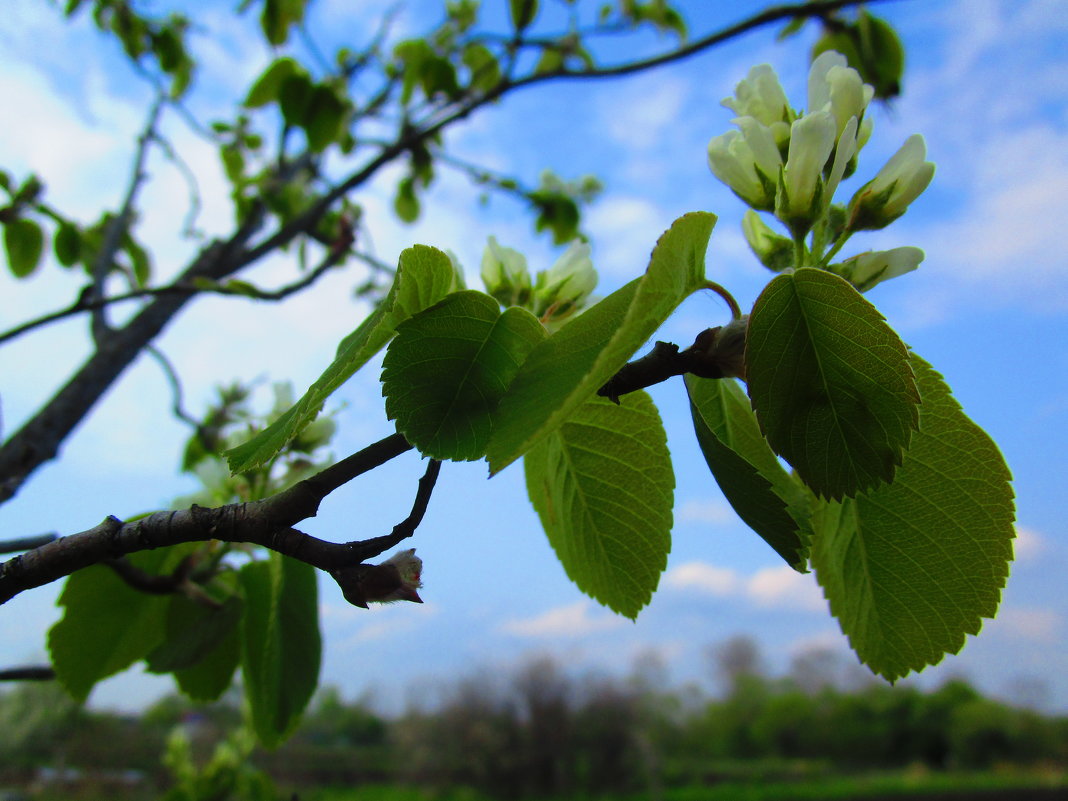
(603, 486)
(911, 567)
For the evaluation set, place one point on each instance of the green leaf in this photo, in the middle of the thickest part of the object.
(214, 673)
(406, 203)
(603, 487)
(568, 368)
(523, 13)
(913, 566)
(139, 260)
(67, 244)
(830, 382)
(448, 368)
(24, 242)
(323, 118)
(425, 275)
(281, 646)
(107, 625)
(767, 498)
(485, 71)
(267, 87)
(193, 630)
(294, 98)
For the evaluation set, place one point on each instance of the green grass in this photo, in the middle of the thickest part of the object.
(823, 789)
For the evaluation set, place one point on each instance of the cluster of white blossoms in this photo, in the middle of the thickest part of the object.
(791, 163)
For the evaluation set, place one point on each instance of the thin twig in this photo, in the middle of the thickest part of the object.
(174, 381)
(119, 225)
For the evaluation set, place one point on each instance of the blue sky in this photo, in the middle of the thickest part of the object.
(987, 86)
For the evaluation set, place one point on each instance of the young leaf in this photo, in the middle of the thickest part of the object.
(603, 487)
(568, 368)
(67, 244)
(268, 85)
(523, 13)
(913, 566)
(767, 498)
(424, 276)
(24, 241)
(193, 630)
(323, 118)
(281, 646)
(107, 625)
(448, 368)
(830, 382)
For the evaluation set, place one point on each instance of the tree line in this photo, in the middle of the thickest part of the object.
(543, 731)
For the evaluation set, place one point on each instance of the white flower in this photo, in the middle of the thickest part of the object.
(504, 272)
(844, 152)
(888, 195)
(865, 270)
(833, 86)
(762, 97)
(811, 142)
(747, 161)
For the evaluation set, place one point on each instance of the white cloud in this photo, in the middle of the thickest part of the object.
(774, 587)
(704, 578)
(716, 513)
(1029, 544)
(574, 620)
(640, 112)
(1035, 624)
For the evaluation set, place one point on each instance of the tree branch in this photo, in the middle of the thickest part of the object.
(26, 543)
(268, 522)
(28, 673)
(38, 441)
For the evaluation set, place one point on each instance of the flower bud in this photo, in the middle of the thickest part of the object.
(888, 195)
(865, 270)
(748, 162)
(504, 272)
(774, 251)
(833, 86)
(800, 198)
(761, 96)
(564, 288)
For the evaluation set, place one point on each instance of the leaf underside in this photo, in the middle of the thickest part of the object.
(830, 382)
(603, 487)
(913, 566)
(448, 368)
(767, 498)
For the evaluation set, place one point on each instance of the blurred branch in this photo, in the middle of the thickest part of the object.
(28, 673)
(26, 543)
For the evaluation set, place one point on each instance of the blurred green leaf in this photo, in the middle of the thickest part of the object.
(107, 625)
(281, 646)
(267, 88)
(67, 244)
(24, 242)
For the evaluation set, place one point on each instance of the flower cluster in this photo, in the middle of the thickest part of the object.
(554, 295)
(791, 163)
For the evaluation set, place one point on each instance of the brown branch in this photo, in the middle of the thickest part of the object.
(267, 522)
(716, 353)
